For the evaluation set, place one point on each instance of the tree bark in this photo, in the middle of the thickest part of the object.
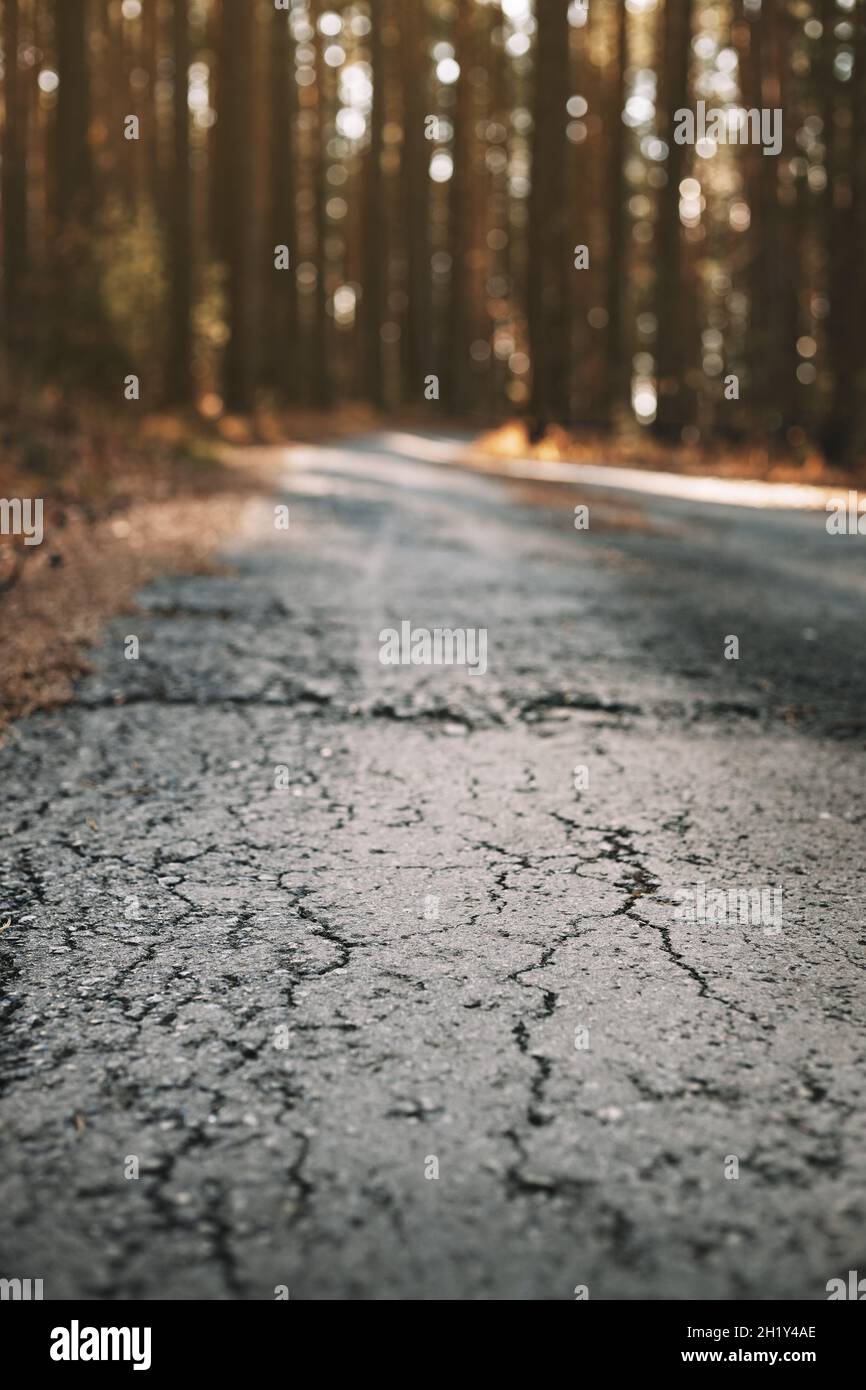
(322, 391)
(73, 168)
(374, 222)
(79, 347)
(841, 254)
(236, 148)
(855, 445)
(150, 18)
(14, 186)
(284, 302)
(417, 344)
(456, 364)
(616, 369)
(675, 404)
(179, 386)
(550, 257)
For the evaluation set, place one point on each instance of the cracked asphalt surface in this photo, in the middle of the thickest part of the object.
(285, 1002)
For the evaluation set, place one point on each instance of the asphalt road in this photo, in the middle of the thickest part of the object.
(286, 1007)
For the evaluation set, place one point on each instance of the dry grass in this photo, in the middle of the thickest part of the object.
(122, 504)
(642, 451)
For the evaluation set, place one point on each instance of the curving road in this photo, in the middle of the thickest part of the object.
(286, 1008)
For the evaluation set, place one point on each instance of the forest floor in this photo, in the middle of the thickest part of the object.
(120, 507)
(425, 1022)
(638, 448)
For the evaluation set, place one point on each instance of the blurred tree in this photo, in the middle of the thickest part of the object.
(150, 141)
(456, 357)
(321, 389)
(14, 185)
(73, 170)
(282, 365)
(550, 259)
(854, 447)
(780, 237)
(840, 249)
(78, 345)
(375, 224)
(179, 385)
(675, 403)
(237, 91)
(416, 183)
(616, 355)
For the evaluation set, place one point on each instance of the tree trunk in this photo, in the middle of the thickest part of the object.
(417, 344)
(675, 406)
(74, 172)
(456, 365)
(374, 223)
(841, 254)
(283, 301)
(785, 236)
(617, 375)
(78, 344)
(321, 393)
(150, 122)
(180, 241)
(236, 147)
(855, 444)
(550, 259)
(14, 186)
